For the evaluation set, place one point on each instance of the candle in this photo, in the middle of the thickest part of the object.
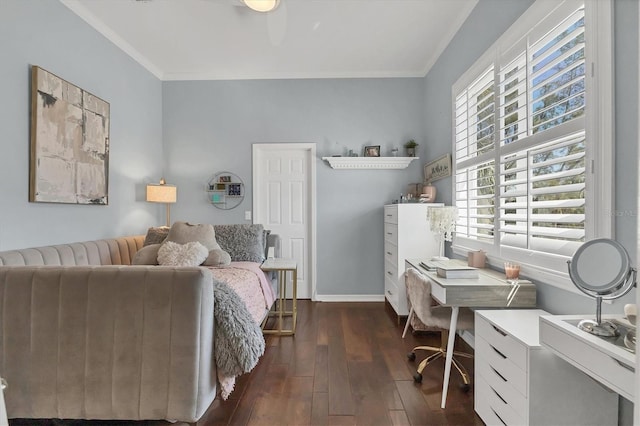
(512, 270)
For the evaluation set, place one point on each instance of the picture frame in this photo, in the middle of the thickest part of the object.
(225, 178)
(234, 190)
(372, 151)
(69, 146)
(438, 168)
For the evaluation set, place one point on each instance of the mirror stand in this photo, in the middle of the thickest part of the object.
(599, 327)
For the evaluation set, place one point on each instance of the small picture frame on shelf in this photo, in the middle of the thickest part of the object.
(221, 186)
(234, 189)
(225, 178)
(372, 151)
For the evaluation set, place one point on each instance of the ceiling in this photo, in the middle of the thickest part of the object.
(224, 40)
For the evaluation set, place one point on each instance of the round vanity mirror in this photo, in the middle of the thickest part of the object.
(601, 269)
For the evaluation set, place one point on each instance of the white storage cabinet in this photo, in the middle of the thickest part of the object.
(407, 234)
(519, 382)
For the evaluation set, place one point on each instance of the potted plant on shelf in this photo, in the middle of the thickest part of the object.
(410, 148)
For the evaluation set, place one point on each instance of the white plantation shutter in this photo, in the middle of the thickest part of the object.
(520, 139)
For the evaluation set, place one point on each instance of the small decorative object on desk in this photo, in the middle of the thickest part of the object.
(476, 259)
(442, 221)
(394, 152)
(512, 272)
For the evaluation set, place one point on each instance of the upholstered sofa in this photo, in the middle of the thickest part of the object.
(86, 335)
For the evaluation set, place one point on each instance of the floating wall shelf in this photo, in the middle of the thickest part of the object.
(369, 162)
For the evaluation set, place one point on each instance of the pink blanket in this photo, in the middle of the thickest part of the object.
(253, 287)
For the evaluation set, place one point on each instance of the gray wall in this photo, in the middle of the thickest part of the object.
(47, 34)
(211, 126)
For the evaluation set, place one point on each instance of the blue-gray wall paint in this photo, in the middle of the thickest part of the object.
(47, 34)
(211, 126)
(488, 20)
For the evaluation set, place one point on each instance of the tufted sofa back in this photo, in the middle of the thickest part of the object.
(113, 251)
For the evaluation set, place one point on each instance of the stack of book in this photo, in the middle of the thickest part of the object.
(450, 270)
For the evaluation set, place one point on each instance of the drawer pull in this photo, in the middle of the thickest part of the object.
(389, 273)
(389, 253)
(498, 330)
(499, 375)
(499, 418)
(498, 352)
(389, 233)
(628, 367)
(389, 292)
(498, 395)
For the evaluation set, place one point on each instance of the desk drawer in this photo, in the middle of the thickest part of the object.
(391, 273)
(502, 342)
(492, 408)
(602, 367)
(500, 368)
(509, 390)
(391, 214)
(391, 233)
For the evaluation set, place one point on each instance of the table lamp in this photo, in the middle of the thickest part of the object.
(442, 221)
(162, 193)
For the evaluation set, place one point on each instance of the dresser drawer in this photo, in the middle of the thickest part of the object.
(391, 233)
(391, 214)
(391, 273)
(507, 346)
(493, 409)
(391, 253)
(509, 390)
(500, 368)
(391, 291)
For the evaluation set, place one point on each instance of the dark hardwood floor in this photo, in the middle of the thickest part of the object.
(346, 365)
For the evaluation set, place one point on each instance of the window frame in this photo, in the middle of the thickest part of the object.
(597, 122)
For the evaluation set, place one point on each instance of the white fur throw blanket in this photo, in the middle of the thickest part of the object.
(238, 341)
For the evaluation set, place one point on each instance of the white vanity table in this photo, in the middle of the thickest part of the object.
(611, 365)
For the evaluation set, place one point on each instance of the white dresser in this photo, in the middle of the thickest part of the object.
(407, 234)
(519, 382)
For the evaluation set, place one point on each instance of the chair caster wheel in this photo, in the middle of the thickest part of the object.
(411, 356)
(465, 387)
(417, 378)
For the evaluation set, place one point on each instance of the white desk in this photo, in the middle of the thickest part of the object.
(606, 362)
(490, 290)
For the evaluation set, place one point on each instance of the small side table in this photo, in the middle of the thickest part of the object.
(282, 266)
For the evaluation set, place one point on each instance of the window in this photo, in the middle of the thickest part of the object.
(532, 156)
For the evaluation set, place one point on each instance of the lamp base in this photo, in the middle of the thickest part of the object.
(439, 258)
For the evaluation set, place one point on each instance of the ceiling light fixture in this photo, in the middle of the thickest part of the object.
(262, 5)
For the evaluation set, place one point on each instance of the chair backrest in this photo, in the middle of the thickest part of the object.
(419, 293)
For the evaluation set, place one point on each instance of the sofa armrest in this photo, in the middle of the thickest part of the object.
(107, 342)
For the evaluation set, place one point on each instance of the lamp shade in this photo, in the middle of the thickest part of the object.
(162, 193)
(262, 5)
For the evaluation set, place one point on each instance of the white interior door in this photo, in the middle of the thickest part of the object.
(284, 202)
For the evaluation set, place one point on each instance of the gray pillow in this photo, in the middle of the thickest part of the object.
(242, 242)
(155, 235)
(146, 255)
(183, 232)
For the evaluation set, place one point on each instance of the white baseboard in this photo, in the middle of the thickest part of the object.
(349, 298)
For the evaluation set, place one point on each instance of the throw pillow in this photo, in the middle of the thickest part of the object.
(183, 232)
(217, 257)
(155, 235)
(242, 242)
(146, 255)
(189, 254)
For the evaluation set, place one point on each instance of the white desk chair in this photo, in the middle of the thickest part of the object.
(420, 301)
